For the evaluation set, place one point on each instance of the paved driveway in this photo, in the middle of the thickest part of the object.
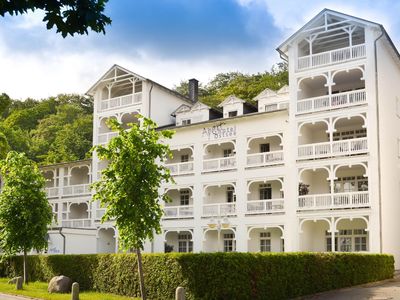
(10, 297)
(382, 290)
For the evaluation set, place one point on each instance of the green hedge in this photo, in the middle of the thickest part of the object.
(212, 275)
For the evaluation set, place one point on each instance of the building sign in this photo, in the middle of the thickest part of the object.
(218, 132)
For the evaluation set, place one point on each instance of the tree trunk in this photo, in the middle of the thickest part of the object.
(25, 267)
(141, 279)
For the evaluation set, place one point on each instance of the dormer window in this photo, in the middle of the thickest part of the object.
(232, 113)
(271, 107)
(186, 122)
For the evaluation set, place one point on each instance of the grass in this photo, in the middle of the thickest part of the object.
(39, 290)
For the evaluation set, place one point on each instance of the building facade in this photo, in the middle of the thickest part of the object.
(313, 166)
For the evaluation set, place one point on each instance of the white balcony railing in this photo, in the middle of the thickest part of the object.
(265, 158)
(219, 164)
(327, 149)
(331, 57)
(77, 223)
(219, 209)
(345, 99)
(265, 206)
(119, 102)
(79, 189)
(334, 201)
(52, 192)
(183, 168)
(178, 212)
(104, 138)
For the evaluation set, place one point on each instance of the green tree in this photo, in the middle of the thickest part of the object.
(4, 146)
(68, 16)
(24, 210)
(129, 186)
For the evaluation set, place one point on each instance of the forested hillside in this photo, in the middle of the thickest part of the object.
(59, 129)
(51, 130)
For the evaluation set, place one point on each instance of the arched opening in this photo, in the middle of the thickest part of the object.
(79, 175)
(181, 162)
(219, 200)
(265, 240)
(351, 128)
(313, 235)
(312, 87)
(181, 205)
(223, 240)
(129, 118)
(311, 133)
(351, 235)
(264, 151)
(106, 241)
(78, 211)
(265, 197)
(218, 157)
(178, 241)
(348, 80)
(314, 189)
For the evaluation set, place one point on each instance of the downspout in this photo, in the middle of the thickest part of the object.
(151, 88)
(378, 139)
(63, 236)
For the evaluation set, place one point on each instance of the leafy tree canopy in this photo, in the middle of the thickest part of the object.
(52, 130)
(129, 186)
(68, 16)
(244, 86)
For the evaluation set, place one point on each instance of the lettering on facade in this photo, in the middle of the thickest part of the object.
(219, 131)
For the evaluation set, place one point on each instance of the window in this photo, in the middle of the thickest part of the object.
(186, 122)
(232, 113)
(265, 241)
(351, 184)
(264, 148)
(184, 195)
(349, 134)
(271, 107)
(230, 194)
(184, 242)
(228, 152)
(185, 158)
(229, 242)
(347, 240)
(265, 191)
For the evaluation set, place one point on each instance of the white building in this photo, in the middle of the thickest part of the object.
(313, 167)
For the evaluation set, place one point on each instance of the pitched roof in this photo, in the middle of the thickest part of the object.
(231, 99)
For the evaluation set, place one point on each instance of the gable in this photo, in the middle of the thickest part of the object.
(232, 99)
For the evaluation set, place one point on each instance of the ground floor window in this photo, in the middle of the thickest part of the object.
(229, 242)
(348, 240)
(265, 241)
(185, 243)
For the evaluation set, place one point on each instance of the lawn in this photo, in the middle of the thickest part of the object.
(39, 290)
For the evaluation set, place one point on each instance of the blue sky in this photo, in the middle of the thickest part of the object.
(165, 40)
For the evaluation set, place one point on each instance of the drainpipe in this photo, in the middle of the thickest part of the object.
(378, 136)
(151, 88)
(63, 236)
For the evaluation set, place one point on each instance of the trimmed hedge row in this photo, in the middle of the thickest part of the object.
(212, 275)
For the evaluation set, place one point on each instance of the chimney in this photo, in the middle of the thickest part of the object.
(193, 90)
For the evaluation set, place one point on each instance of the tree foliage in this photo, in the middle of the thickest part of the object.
(129, 186)
(24, 210)
(52, 130)
(68, 16)
(244, 86)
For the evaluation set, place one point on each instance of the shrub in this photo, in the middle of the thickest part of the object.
(212, 275)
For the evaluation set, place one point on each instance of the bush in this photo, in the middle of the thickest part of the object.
(211, 275)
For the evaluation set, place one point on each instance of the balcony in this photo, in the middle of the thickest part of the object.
(331, 57)
(120, 102)
(52, 192)
(265, 206)
(77, 223)
(334, 201)
(104, 138)
(181, 162)
(219, 164)
(78, 189)
(219, 209)
(178, 212)
(330, 149)
(328, 102)
(265, 159)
